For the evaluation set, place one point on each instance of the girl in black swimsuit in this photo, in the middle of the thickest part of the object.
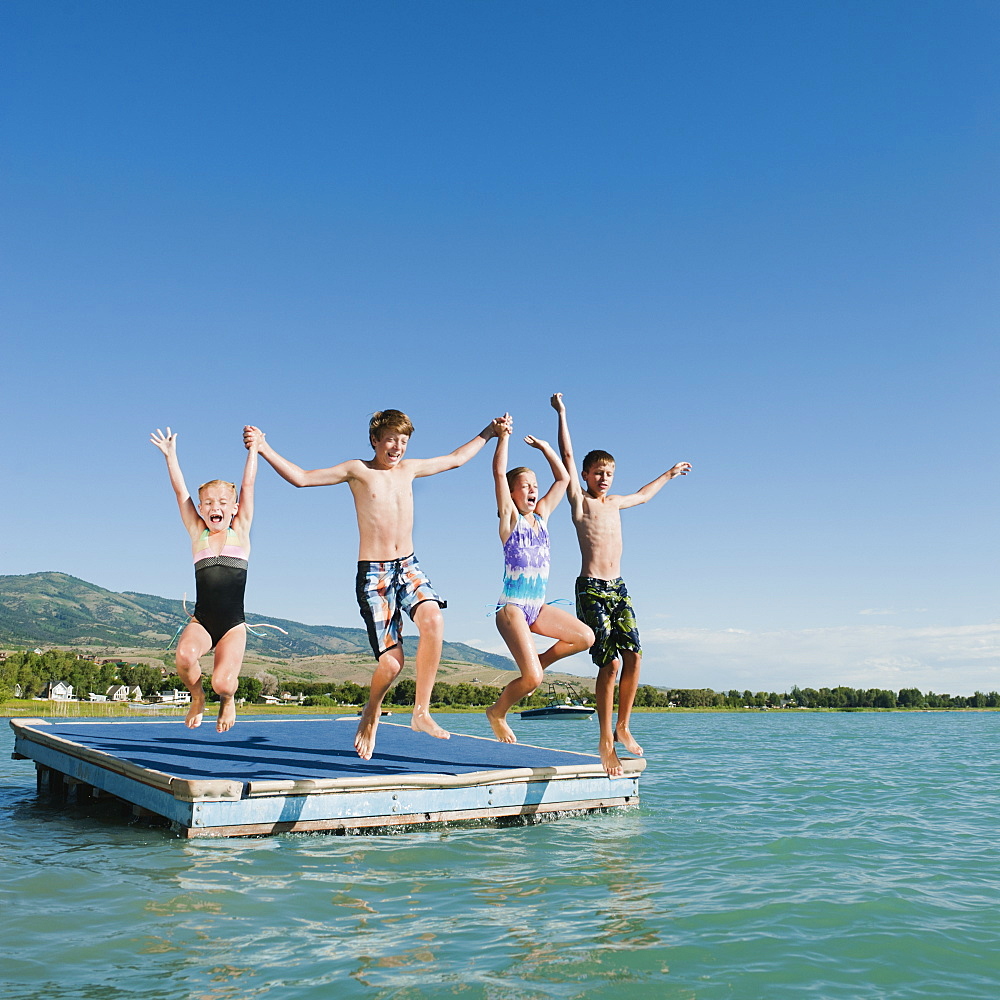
(220, 543)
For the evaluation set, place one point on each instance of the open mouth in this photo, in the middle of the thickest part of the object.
(215, 518)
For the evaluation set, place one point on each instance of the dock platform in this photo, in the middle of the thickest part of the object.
(271, 775)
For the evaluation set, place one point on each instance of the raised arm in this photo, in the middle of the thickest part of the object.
(505, 505)
(550, 501)
(167, 444)
(574, 489)
(244, 514)
(651, 489)
(289, 471)
(443, 463)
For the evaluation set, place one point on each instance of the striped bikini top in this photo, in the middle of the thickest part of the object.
(233, 554)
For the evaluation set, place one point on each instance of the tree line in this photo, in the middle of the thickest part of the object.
(841, 698)
(32, 671)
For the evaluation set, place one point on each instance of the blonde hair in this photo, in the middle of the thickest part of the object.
(216, 482)
(388, 420)
(514, 473)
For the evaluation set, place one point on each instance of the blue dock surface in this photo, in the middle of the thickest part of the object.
(276, 775)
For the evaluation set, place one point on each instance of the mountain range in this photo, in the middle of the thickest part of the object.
(56, 609)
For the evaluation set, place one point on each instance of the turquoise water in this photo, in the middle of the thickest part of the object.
(779, 855)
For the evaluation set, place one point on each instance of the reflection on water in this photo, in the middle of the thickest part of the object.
(838, 856)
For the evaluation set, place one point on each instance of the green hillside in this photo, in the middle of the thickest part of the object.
(56, 609)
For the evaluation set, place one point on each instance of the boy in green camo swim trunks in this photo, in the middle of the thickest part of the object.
(607, 608)
(602, 599)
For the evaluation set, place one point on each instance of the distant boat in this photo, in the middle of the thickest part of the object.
(569, 704)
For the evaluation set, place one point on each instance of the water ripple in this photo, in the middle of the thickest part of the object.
(826, 857)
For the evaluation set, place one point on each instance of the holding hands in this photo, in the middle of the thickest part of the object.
(502, 426)
(253, 437)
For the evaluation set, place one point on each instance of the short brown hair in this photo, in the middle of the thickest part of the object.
(388, 420)
(593, 457)
(216, 482)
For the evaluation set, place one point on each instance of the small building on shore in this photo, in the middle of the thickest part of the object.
(58, 691)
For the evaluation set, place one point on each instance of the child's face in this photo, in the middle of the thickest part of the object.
(524, 492)
(599, 478)
(390, 449)
(217, 507)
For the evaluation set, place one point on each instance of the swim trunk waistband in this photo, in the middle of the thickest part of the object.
(369, 563)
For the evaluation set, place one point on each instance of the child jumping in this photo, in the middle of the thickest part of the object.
(521, 610)
(389, 579)
(220, 543)
(602, 600)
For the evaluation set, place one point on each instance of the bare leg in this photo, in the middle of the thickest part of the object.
(226, 674)
(513, 626)
(389, 665)
(627, 687)
(605, 689)
(430, 622)
(192, 645)
(571, 636)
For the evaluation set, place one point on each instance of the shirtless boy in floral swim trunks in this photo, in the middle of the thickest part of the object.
(389, 579)
(602, 600)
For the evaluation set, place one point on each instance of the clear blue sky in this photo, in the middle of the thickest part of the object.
(757, 237)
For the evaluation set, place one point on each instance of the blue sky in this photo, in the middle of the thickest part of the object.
(757, 237)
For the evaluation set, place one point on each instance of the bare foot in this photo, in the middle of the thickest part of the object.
(193, 718)
(364, 738)
(501, 730)
(609, 759)
(623, 736)
(227, 714)
(421, 722)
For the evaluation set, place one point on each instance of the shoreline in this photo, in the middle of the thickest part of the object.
(104, 710)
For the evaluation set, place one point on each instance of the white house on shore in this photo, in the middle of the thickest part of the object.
(122, 692)
(285, 698)
(173, 697)
(58, 691)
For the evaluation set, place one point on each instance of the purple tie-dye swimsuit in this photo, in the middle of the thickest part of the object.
(526, 567)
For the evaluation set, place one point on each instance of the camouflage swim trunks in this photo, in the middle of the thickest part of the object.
(606, 607)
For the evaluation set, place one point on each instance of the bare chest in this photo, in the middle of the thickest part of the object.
(600, 520)
(383, 492)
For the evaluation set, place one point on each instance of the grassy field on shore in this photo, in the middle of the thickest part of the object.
(19, 708)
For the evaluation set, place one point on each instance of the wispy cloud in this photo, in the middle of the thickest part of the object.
(889, 611)
(952, 659)
(958, 659)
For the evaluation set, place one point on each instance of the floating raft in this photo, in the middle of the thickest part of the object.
(278, 775)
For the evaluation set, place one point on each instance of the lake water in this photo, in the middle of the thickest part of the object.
(779, 855)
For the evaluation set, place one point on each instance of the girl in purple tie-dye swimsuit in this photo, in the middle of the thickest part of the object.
(521, 609)
(526, 566)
